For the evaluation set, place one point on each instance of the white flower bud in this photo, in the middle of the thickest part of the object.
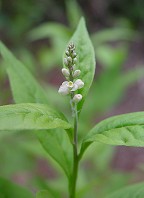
(75, 60)
(69, 59)
(77, 98)
(74, 54)
(65, 72)
(79, 83)
(75, 87)
(65, 61)
(64, 90)
(67, 53)
(65, 83)
(76, 73)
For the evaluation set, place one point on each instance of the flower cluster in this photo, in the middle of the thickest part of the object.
(71, 84)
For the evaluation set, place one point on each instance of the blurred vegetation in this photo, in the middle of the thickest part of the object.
(37, 31)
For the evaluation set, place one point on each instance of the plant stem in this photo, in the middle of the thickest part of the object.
(75, 154)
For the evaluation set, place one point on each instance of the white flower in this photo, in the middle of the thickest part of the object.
(67, 52)
(69, 59)
(65, 72)
(63, 90)
(77, 98)
(75, 60)
(65, 62)
(68, 86)
(76, 73)
(72, 86)
(79, 83)
(74, 54)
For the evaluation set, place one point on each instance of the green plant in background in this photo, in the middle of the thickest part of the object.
(18, 17)
(60, 34)
(56, 133)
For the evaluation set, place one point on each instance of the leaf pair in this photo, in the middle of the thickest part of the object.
(126, 129)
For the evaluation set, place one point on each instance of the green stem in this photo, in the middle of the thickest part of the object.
(75, 154)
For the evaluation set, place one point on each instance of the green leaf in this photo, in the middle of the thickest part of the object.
(126, 129)
(24, 86)
(59, 148)
(86, 58)
(30, 117)
(133, 191)
(11, 190)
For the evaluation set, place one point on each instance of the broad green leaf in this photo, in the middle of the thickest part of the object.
(126, 129)
(11, 190)
(24, 86)
(59, 148)
(86, 58)
(26, 92)
(133, 191)
(30, 116)
(74, 12)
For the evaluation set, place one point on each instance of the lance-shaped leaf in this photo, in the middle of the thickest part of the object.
(26, 89)
(24, 86)
(126, 129)
(57, 144)
(30, 116)
(86, 58)
(9, 190)
(133, 191)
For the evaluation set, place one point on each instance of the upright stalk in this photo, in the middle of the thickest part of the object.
(71, 86)
(75, 153)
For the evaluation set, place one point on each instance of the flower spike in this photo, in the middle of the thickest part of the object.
(72, 84)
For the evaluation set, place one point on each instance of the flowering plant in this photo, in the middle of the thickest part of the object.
(58, 136)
